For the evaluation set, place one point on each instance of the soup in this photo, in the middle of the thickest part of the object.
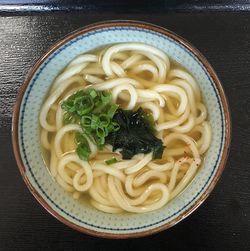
(125, 126)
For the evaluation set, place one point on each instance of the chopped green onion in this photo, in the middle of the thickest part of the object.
(100, 132)
(80, 138)
(83, 105)
(93, 111)
(86, 121)
(104, 120)
(112, 110)
(83, 151)
(94, 122)
(116, 126)
(111, 161)
(68, 106)
(92, 93)
(100, 142)
(68, 118)
(106, 97)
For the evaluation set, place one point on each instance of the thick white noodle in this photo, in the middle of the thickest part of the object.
(109, 84)
(52, 99)
(131, 61)
(53, 163)
(126, 87)
(153, 108)
(189, 91)
(85, 169)
(125, 47)
(184, 128)
(186, 179)
(93, 79)
(206, 137)
(168, 165)
(152, 95)
(138, 166)
(125, 203)
(44, 139)
(176, 90)
(118, 70)
(163, 66)
(83, 59)
(178, 73)
(109, 170)
(147, 67)
(203, 113)
(174, 123)
(73, 68)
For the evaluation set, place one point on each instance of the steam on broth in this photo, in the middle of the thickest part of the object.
(125, 126)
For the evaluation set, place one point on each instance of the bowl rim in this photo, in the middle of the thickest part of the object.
(109, 24)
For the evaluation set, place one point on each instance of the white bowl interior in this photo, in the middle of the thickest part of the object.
(29, 138)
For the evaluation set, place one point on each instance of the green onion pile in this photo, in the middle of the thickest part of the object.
(94, 111)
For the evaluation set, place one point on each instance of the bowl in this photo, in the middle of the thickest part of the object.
(26, 136)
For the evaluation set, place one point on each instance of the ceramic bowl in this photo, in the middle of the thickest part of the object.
(26, 139)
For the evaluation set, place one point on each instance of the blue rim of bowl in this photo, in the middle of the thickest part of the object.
(88, 31)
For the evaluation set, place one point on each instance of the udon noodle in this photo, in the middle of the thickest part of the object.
(137, 75)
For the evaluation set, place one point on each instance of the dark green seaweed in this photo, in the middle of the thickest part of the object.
(136, 134)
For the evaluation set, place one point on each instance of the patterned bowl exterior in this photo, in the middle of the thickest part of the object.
(26, 136)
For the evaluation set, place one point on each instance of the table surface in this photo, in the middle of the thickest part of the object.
(221, 223)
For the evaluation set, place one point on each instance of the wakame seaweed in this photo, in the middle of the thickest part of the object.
(136, 134)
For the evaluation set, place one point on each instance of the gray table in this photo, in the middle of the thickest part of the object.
(221, 223)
